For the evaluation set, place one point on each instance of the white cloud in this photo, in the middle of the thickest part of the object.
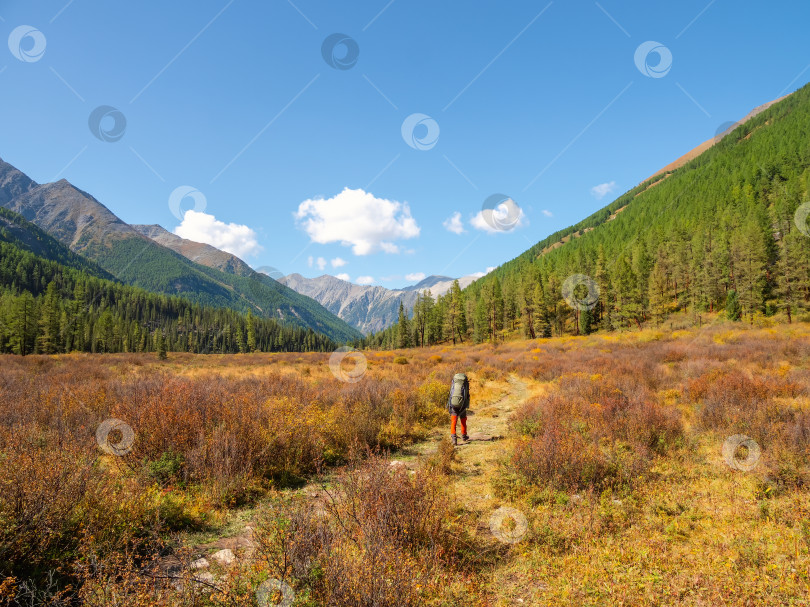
(234, 238)
(415, 276)
(310, 261)
(453, 223)
(547, 213)
(505, 217)
(603, 189)
(480, 274)
(343, 276)
(321, 263)
(364, 280)
(337, 262)
(357, 219)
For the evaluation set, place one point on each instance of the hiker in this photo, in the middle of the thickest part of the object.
(457, 405)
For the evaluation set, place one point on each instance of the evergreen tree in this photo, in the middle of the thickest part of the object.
(733, 308)
(403, 333)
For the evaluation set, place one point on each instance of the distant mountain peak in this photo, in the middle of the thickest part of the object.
(370, 308)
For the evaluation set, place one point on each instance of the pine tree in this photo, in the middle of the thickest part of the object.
(160, 345)
(23, 325)
(251, 332)
(403, 331)
(50, 316)
(733, 309)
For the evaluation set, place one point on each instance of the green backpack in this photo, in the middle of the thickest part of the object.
(458, 391)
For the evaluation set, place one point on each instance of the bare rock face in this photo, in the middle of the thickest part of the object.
(199, 564)
(368, 308)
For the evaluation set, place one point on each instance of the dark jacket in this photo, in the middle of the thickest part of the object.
(465, 391)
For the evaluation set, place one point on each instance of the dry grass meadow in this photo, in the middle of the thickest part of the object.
(596, 475)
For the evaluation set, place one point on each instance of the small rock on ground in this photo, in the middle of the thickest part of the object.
(225, 556)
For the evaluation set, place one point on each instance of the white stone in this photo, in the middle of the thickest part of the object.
(225, 557)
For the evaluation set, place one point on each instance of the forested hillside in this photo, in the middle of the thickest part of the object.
(49, 308)
(85, 226)
(719, 233)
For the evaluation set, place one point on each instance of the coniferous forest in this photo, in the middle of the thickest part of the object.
(725, 233)
(49, 308)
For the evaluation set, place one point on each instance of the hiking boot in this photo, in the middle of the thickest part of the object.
(465, 438)
(454, 438)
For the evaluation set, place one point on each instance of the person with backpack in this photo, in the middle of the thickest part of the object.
(457, 405)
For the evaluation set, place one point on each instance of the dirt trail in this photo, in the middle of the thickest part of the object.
(477, 459)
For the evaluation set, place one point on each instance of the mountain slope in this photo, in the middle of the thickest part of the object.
(720, 228)
(697, 151)
(86, 226)
(16, 230)
(197, 252)
(369, 308)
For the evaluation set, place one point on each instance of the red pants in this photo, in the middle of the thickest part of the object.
(453, 419)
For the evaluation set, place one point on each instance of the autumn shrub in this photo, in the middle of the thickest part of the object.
(731, 401)
(203, 440)
(591, 433)
(432, 397)
(378, 538)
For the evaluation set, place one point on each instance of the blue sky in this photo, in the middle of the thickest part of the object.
(289, 160)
